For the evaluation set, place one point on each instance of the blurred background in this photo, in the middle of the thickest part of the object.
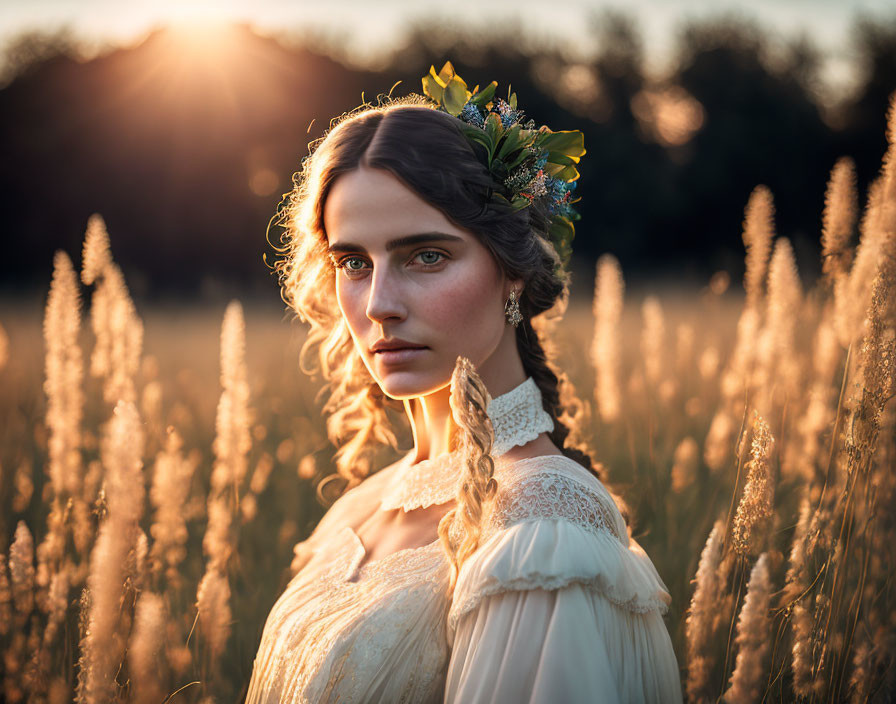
(183, 122)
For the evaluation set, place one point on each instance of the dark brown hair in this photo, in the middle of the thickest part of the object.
(425, 149)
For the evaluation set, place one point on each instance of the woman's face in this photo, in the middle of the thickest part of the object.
(406, 275)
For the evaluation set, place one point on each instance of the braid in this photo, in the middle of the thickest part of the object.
(469, 401)
(558, 395)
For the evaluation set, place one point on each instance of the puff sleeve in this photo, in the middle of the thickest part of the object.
(557, 606)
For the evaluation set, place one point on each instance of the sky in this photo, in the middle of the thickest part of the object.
(369, 29)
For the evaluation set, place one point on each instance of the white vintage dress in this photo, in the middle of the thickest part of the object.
(558, 604)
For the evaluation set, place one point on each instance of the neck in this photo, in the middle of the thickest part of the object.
(432, 424)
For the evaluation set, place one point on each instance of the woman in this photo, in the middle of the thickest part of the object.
(489, 564)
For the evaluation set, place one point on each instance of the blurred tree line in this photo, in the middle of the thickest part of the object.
(186, 145)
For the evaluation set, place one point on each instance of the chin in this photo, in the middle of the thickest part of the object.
(402, 384)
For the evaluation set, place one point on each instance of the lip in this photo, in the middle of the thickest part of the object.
(396, 343)
(401, 355)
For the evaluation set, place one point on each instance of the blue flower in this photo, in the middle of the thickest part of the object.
(508, 115)
(471, 113)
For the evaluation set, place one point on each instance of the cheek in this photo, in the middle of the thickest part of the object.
(464, 305)
(352, 300)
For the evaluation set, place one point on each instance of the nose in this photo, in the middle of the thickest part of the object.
(386, 300)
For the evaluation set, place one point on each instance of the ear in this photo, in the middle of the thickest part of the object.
(513, 285)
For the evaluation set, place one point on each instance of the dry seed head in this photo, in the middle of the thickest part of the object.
(64, 371)
(755, 505)
(151, 402)
(748, 680)
(853, 294)
(121, 452)
(778, 365)
(784, 294)
(717, 447)
(171, 481)
(233, 438)
(213, 603)
(5, 598)
(684, 467)
(101, 643)
(807, 458)
(248, 508)
(735, 378)
(57, 603)
(841, 204)
(262, 472)
(708, 365)
(699, 629)
(757, 235)
(801, 620)
(21, 570)
(217, 543)
(796, 570)
(23, 485)
(96, 256)
(653, 339)
(609, 289)
(307, 467)
(137, 559)
(684, 347)
(145, 645)
(119, 336)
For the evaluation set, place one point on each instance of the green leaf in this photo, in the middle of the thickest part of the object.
(512, 101)
(494, 130)
(483, 97)
(561, 159)
(511, 143)
(432, 89)
(456, 95)
(569, 142)
(523, 155)
(519, 203)
(477, 135)
(567, 173)
(562, 232)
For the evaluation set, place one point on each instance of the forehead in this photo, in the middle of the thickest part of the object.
(369, 206)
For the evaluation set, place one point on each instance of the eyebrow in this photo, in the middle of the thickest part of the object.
(395, 244)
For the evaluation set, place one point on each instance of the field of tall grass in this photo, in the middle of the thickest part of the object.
(157, 466)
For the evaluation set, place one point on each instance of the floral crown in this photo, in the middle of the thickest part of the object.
(533, 163)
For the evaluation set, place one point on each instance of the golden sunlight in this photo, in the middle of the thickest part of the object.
(670, 116)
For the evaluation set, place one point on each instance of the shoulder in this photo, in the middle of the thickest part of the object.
(554, 524)
(554, 487)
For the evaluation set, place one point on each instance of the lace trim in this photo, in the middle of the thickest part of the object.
(548, 494)
(518, 417)
(599, 584)
(427, 483)
(411, 559)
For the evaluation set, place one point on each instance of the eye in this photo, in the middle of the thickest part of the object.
(430, 257)
(350, 264)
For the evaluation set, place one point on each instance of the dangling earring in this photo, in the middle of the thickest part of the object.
(512, 310)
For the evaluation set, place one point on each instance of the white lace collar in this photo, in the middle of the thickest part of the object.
(518, 417)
